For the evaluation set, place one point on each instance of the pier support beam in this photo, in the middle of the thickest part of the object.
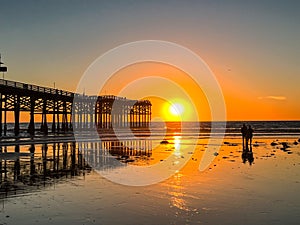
(17, 115)
(31, 128)
(1, 114)
(64, 118)
(58, 126)
(53, 117)
(44, 125)
(5, 125)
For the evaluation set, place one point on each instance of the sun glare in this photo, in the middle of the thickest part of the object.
(176, 109)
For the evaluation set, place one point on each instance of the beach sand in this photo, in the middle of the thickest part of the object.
(230, 191)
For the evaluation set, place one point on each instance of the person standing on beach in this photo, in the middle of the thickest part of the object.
(249, 137)
(244, 133)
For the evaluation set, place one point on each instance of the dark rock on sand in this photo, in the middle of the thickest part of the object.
(285, 145)
(274, 143)
(233, 144)
(129, 160)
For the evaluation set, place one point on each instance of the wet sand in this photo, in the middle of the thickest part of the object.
(228, 192)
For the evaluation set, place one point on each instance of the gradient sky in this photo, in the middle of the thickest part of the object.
(251, 46)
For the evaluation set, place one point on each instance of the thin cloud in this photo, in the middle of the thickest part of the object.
(278, 98)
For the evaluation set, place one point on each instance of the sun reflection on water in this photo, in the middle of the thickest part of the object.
(177, 194)
(177, 144)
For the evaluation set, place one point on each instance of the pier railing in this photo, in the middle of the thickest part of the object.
(37, 88)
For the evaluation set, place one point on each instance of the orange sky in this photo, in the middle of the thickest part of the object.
(165, 85)
(243, 102)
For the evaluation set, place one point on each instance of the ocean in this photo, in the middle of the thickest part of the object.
(204, 129)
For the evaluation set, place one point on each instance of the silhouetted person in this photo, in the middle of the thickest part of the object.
(249, 136)
(244, 133)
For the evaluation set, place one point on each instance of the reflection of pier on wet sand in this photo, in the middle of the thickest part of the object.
(103, 155)
(42, 165)
(28, 166)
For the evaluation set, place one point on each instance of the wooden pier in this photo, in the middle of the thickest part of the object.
(59, 106)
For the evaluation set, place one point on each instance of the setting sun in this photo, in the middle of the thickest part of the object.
(176, 109)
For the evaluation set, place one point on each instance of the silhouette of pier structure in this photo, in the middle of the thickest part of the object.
(64, 109)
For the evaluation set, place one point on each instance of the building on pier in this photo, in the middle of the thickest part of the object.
(117, 112)
(109, 111)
